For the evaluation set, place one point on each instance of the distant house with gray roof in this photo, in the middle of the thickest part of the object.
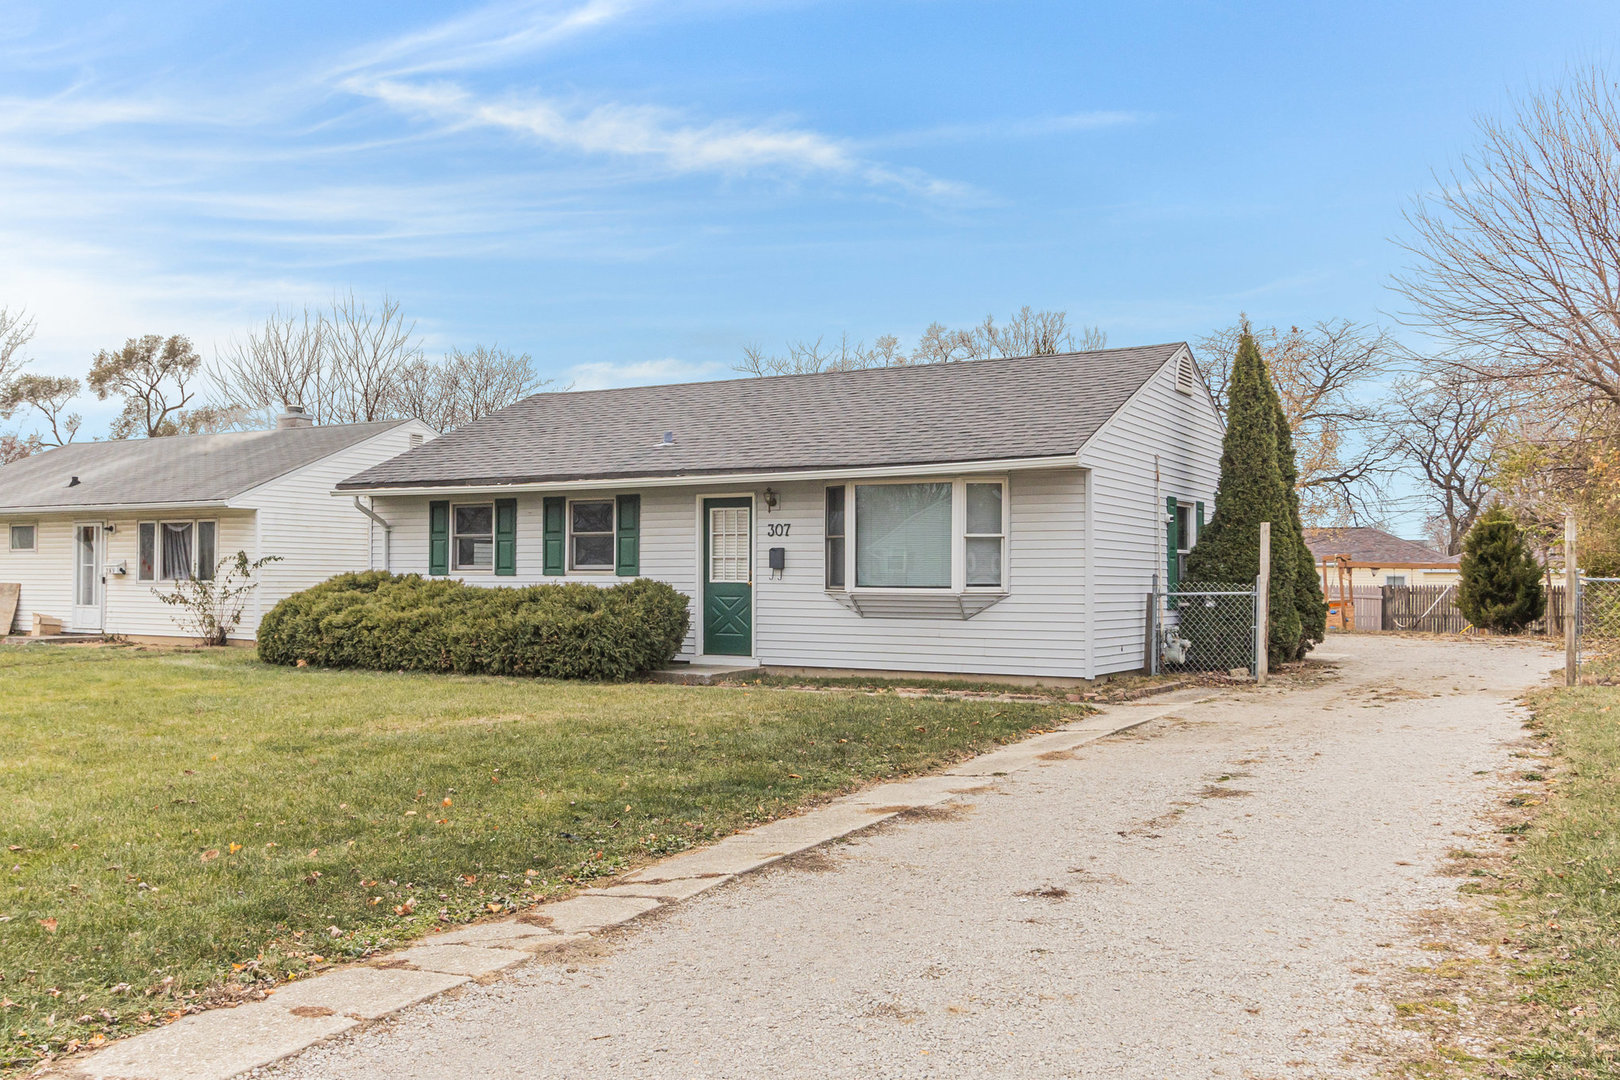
(1001, 517)
(90, 532)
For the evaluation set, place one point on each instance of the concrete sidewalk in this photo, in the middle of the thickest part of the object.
(226, 1042)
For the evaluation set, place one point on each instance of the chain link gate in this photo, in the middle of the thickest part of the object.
(1597, 619)
(1204, 626)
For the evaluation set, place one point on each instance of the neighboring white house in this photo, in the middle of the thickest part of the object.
(92, 531)
(1002, 517)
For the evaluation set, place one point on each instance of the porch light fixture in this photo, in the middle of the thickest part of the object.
(771, 498)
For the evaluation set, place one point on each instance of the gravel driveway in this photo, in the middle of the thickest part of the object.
(1213, 895)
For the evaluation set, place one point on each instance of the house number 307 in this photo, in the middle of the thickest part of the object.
(778, 528)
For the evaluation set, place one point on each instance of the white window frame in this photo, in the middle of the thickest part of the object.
(11, 537)
(612, 564)
(159, 570)
(1395, 581)
(455, 548)
(1186, 538)
(958, 585)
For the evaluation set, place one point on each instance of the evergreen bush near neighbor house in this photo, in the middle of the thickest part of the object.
(1309, 599)
(1501, 581)
(1252, 490)
(406, 622)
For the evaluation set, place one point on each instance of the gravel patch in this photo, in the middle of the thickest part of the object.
(1217, 893)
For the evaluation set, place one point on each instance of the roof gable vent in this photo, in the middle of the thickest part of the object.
(1186, 374)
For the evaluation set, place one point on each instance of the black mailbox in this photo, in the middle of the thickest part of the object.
(778, 558)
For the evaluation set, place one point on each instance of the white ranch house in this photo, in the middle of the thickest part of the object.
(92, 531)
(995, 517)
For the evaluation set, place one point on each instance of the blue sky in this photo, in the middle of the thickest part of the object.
(632, 191)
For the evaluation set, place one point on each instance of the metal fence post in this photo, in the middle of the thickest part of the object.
(1572, 609)
(1262, 658)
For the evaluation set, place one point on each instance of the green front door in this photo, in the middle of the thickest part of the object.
(728, 577)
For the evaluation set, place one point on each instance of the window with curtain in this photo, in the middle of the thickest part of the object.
(903, 536)
(22, 538)
(206, 544)
(590, 523)
(176, 547)
(474, 539)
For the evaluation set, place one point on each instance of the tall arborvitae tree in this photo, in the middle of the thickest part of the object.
(1309, 600)
(1501, 583)
(1251, 491)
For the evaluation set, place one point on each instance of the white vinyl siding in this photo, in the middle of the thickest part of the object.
(1128, 534)
(295, 516)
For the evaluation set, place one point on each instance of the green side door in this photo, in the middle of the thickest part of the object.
(728, 577)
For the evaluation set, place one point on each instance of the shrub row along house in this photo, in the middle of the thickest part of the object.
(998, 517)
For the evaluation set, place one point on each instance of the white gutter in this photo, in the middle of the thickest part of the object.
(114, 508)
(947, 468)
(388, 533)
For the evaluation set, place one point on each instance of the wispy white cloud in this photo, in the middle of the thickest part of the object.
(1029, 128)
(489, 35)
(669, 369)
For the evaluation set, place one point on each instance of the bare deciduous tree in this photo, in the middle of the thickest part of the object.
(366, 350)
(1028, 333)
(1323, 375)
(48, 395)
(154, 376)
(282, 364)
(16, 331)
(355, 364)
(1444, 426)
(465, 386)
(1517, 254)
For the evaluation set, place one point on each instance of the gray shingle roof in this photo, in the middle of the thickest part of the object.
(978, 410)
(1369, 545)
(182, 469)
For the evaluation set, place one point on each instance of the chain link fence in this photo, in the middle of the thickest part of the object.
(1598, 619)
(1204, 626)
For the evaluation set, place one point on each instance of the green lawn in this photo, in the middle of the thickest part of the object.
(1564, 896)
(183, 824)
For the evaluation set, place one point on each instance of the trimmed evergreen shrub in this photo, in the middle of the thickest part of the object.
(1251, 491)
(406, 622)
(1309, 599)
(1501, 581)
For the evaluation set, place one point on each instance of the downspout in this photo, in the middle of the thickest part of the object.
(388, 533)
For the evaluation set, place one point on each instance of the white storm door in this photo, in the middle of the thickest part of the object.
(89, 589)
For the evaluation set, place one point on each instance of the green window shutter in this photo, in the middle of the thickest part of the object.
(1172, 575)
(1199, 514)
(556, 531)
(439, 537)
(506, 537)
(627, 561)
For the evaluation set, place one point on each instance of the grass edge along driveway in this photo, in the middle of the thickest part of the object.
(186, 827)
(1524, 981)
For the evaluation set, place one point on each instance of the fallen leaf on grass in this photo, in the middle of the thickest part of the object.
(49, 925)
(234, 847)
(210, 855)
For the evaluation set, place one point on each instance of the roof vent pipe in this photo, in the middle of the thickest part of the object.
(73, 481)
(295, 417)
(669, 439)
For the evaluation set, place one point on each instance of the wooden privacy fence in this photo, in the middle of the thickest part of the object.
(1429, 609)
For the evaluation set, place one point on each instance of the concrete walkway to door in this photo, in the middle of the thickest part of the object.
(1212, 895)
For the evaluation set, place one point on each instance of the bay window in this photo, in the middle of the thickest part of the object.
(946, 535)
